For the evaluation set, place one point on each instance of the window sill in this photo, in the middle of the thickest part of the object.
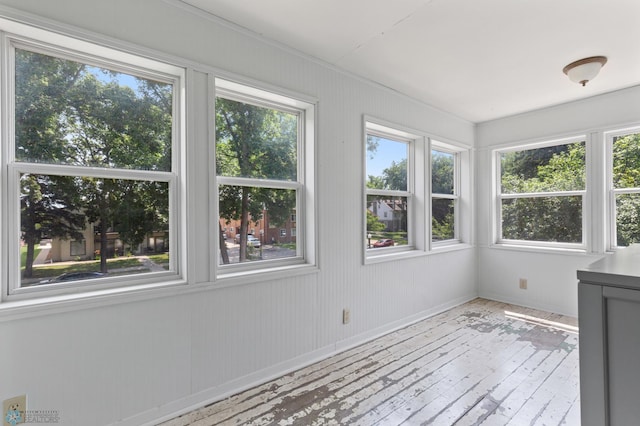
(454, 246)
(390, 256)
(539, 249)
(39, 306)
(233, 278)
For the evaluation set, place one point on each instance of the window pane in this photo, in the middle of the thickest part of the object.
(553, 168)
(442, 219)
(268, 212)
(556, 219)
(71, 113)
(386, 164)
(255, 142)
(78, 248)
(442, 172)
(627, 219)
(386, 220)
(626, 161)
(118, 221)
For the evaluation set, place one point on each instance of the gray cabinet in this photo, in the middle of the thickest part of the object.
(609, 319)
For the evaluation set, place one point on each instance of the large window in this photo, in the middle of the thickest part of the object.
(389, 189)
(263, 152)
(624, 188)
(445, 193)
(91, 167)
(541, 193)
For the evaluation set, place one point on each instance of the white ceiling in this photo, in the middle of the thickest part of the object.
(478, 59)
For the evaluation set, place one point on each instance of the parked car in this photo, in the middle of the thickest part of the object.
(253, 241)
(386, 242)
(74, 276)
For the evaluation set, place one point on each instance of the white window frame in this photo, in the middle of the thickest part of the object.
(41, 40)
(612, 237)
(499, 197)
(457, 170)
(270, 97)
(415, 192)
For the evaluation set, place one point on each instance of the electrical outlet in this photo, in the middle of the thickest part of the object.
(13, 410)
(523, 283)
(346, 316)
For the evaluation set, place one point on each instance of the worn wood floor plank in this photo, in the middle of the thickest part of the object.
(481, 363)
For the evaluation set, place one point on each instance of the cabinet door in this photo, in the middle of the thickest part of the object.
(622, 313)
(591, 316)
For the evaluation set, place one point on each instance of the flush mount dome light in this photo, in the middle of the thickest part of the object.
(584, 70)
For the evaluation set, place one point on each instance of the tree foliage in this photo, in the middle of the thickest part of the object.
(373, 223)
(442, 182)
(626, 175)
(258, 143)
(67, 113)
(544, 218)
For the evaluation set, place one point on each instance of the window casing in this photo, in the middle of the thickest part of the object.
(68, 150)
(541, 194)
(264, 172)
(623, 183)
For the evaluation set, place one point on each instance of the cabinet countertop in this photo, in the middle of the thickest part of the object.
(621, 269)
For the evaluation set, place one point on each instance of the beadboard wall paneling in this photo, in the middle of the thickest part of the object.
(144, 360)
(553, 284)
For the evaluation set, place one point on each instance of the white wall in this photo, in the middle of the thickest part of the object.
(136, 361)
(552, 282)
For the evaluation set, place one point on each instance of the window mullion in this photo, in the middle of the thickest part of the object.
(542, 194)
(388, 192)
(259, 183)
(96, 172)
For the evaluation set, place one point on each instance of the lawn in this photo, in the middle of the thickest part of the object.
(23, 255)
(160, 259)
(51, 270)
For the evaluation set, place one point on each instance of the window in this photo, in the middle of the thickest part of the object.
(541, 192)
(444, 193)
(394, 171)
(388, 194)
(264, 168)
(283, 232)
(78, 248)
(624, 187)
(91, 164)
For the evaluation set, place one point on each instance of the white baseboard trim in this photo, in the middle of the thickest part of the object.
(528, 303)
(208, 396)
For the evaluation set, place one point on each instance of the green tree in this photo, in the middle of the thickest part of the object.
(393, 177)
(47, 203)
(442, 182)
(113, 126)
(373, 223)
(544, 218)
(66, 114)
(626, 175)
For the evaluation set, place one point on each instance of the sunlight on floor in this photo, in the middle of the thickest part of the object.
(541, 321)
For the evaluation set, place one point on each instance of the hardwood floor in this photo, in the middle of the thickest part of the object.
(481, 363)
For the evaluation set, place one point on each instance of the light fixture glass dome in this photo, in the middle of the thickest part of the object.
(585, 70)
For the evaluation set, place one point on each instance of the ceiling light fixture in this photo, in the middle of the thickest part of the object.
(584, 70)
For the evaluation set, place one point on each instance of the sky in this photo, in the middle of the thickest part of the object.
(122, 79)
(388, 151)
